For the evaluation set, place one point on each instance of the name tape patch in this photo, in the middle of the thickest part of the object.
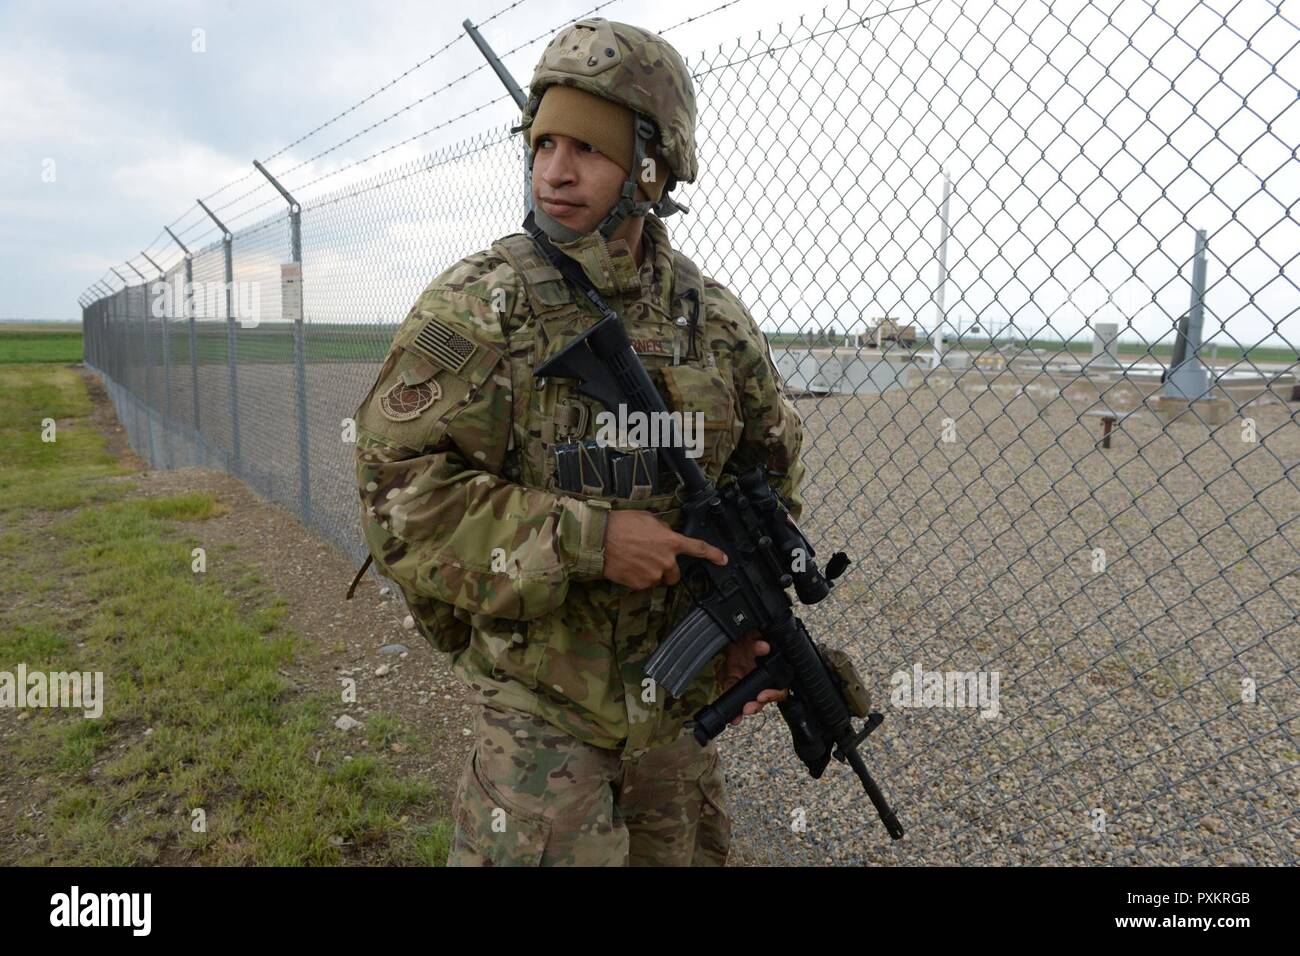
(649, 347)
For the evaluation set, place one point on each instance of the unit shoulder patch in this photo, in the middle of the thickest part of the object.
(403, 402)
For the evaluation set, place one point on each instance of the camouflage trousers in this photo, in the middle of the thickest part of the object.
(531, 795)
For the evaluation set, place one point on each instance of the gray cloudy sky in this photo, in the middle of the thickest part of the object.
(132, 123)
(1087, 141)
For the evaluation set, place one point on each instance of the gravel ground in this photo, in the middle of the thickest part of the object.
(1120, 690)
(1124, 734)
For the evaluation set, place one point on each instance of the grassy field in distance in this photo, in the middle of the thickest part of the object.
(40, 342)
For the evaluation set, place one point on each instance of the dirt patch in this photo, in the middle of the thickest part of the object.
(416, 687)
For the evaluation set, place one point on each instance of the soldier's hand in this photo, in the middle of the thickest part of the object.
(641, 551)
(740, 661)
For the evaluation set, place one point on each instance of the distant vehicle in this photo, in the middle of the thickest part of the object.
(890, 330)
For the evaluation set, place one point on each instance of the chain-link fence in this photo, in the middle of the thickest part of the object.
(1031, 269)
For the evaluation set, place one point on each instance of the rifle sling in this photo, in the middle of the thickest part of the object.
(566, 266)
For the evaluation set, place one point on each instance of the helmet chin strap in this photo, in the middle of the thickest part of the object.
(557, 230)
(627, 205)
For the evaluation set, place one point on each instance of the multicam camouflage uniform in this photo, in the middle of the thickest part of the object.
(577, 758)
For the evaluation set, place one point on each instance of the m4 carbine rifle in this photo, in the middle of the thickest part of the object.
(766, 553)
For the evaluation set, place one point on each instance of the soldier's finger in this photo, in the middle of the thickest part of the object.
(671, 575)
(700, 549)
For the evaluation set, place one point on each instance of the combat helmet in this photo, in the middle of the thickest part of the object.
(641, 71)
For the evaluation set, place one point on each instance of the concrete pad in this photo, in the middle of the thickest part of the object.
(1211, 411)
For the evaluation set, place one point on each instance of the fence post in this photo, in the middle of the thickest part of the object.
(132, 390)
(167, 371)
(119, 320)
(102, 352)
(291, 286)
(227, 243)
(147, 364)
(87, 334)
(101, 347)
(110, 329)
(88, 325)
(291, 306)
(123, 330)
(187, 298)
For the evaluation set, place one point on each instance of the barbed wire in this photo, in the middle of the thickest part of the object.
(296, 189)
(397, 79)
(404, 142)
(208, 227)
(202, 226)
(174, 224)
(837, 28)
(428, 96)
(699, 16)
(162, 234)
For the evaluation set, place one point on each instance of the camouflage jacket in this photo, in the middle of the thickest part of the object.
(460, 504)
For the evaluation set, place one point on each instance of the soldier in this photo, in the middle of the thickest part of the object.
(548, 590)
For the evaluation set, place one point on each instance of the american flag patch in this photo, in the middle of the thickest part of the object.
(443, 346)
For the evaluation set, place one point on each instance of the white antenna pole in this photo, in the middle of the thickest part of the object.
(941, 317)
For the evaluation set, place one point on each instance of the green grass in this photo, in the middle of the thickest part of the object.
(198, 712)
(22, 344)
(64, 473)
